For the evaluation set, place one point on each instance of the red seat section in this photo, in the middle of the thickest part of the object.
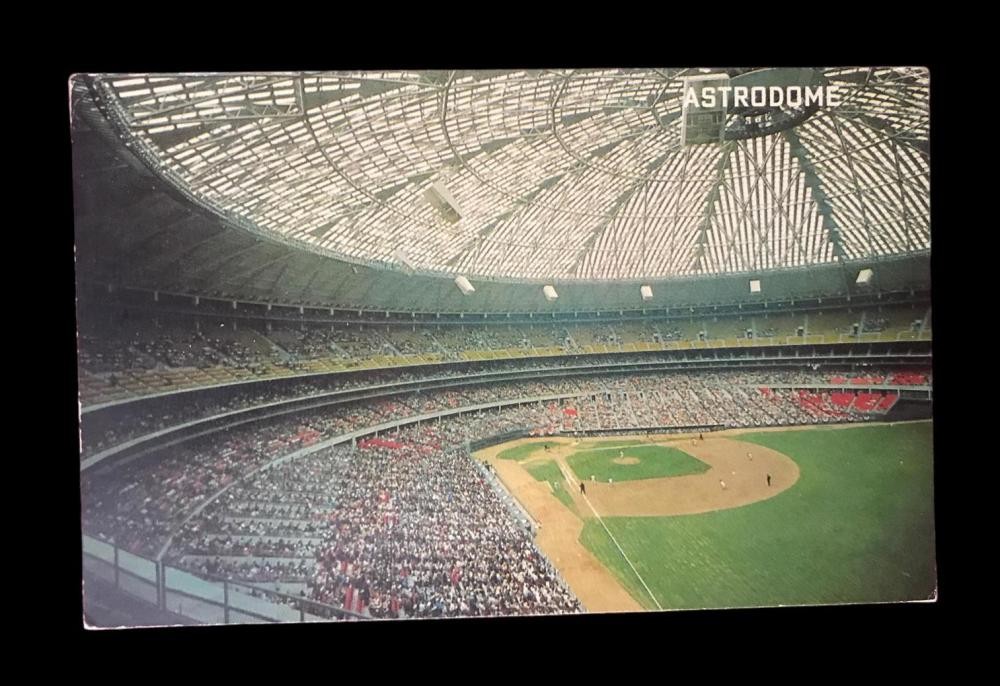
(867, 402)
(908, 379)
(868, 380)
(842, 399)
(818, 405)
(380, 443)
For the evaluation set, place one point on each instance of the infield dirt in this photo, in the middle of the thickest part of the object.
(743, 467)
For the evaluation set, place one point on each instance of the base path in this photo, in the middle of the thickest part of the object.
(559, 538)
(745, 478)
(745, 481)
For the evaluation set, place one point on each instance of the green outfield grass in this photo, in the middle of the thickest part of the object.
(654, 461)
(524, 451)
(857, 527)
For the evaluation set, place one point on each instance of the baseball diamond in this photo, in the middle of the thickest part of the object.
(847, 517)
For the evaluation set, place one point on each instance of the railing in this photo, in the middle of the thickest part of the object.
(203, 598)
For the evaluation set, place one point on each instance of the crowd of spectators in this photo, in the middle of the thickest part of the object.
(145, 499)
(599, 335)
(874, 324)
(112, 429)
(721, 399)
(306, 344)
(145, 357)
(130, 421)
(289, 347)
(406, 525)
(139, 503)
(420, 534)
(145, 343)
(666, 333)
(100, 355)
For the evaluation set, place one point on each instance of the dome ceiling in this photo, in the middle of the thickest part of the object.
(540, 174)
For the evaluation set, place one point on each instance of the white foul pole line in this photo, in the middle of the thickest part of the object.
(612, 537)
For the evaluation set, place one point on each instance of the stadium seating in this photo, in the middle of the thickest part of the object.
(146, 356)
(867, 402)
(641, 393)
(270, 526)
(909, 379)
(831, 323)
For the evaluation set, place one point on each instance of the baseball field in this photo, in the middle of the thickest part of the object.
(739, 519)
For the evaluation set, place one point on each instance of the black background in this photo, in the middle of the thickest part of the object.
(822, 637)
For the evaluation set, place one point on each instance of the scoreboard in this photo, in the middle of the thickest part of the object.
(699, 124)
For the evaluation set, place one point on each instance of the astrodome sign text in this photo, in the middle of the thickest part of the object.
(762, 96)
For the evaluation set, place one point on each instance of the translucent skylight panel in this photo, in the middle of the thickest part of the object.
(134, 92)
(125, 83)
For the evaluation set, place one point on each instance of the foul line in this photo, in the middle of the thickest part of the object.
(612, 537)
(613, 540)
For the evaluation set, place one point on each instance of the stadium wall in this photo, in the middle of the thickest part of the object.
(911, 409)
